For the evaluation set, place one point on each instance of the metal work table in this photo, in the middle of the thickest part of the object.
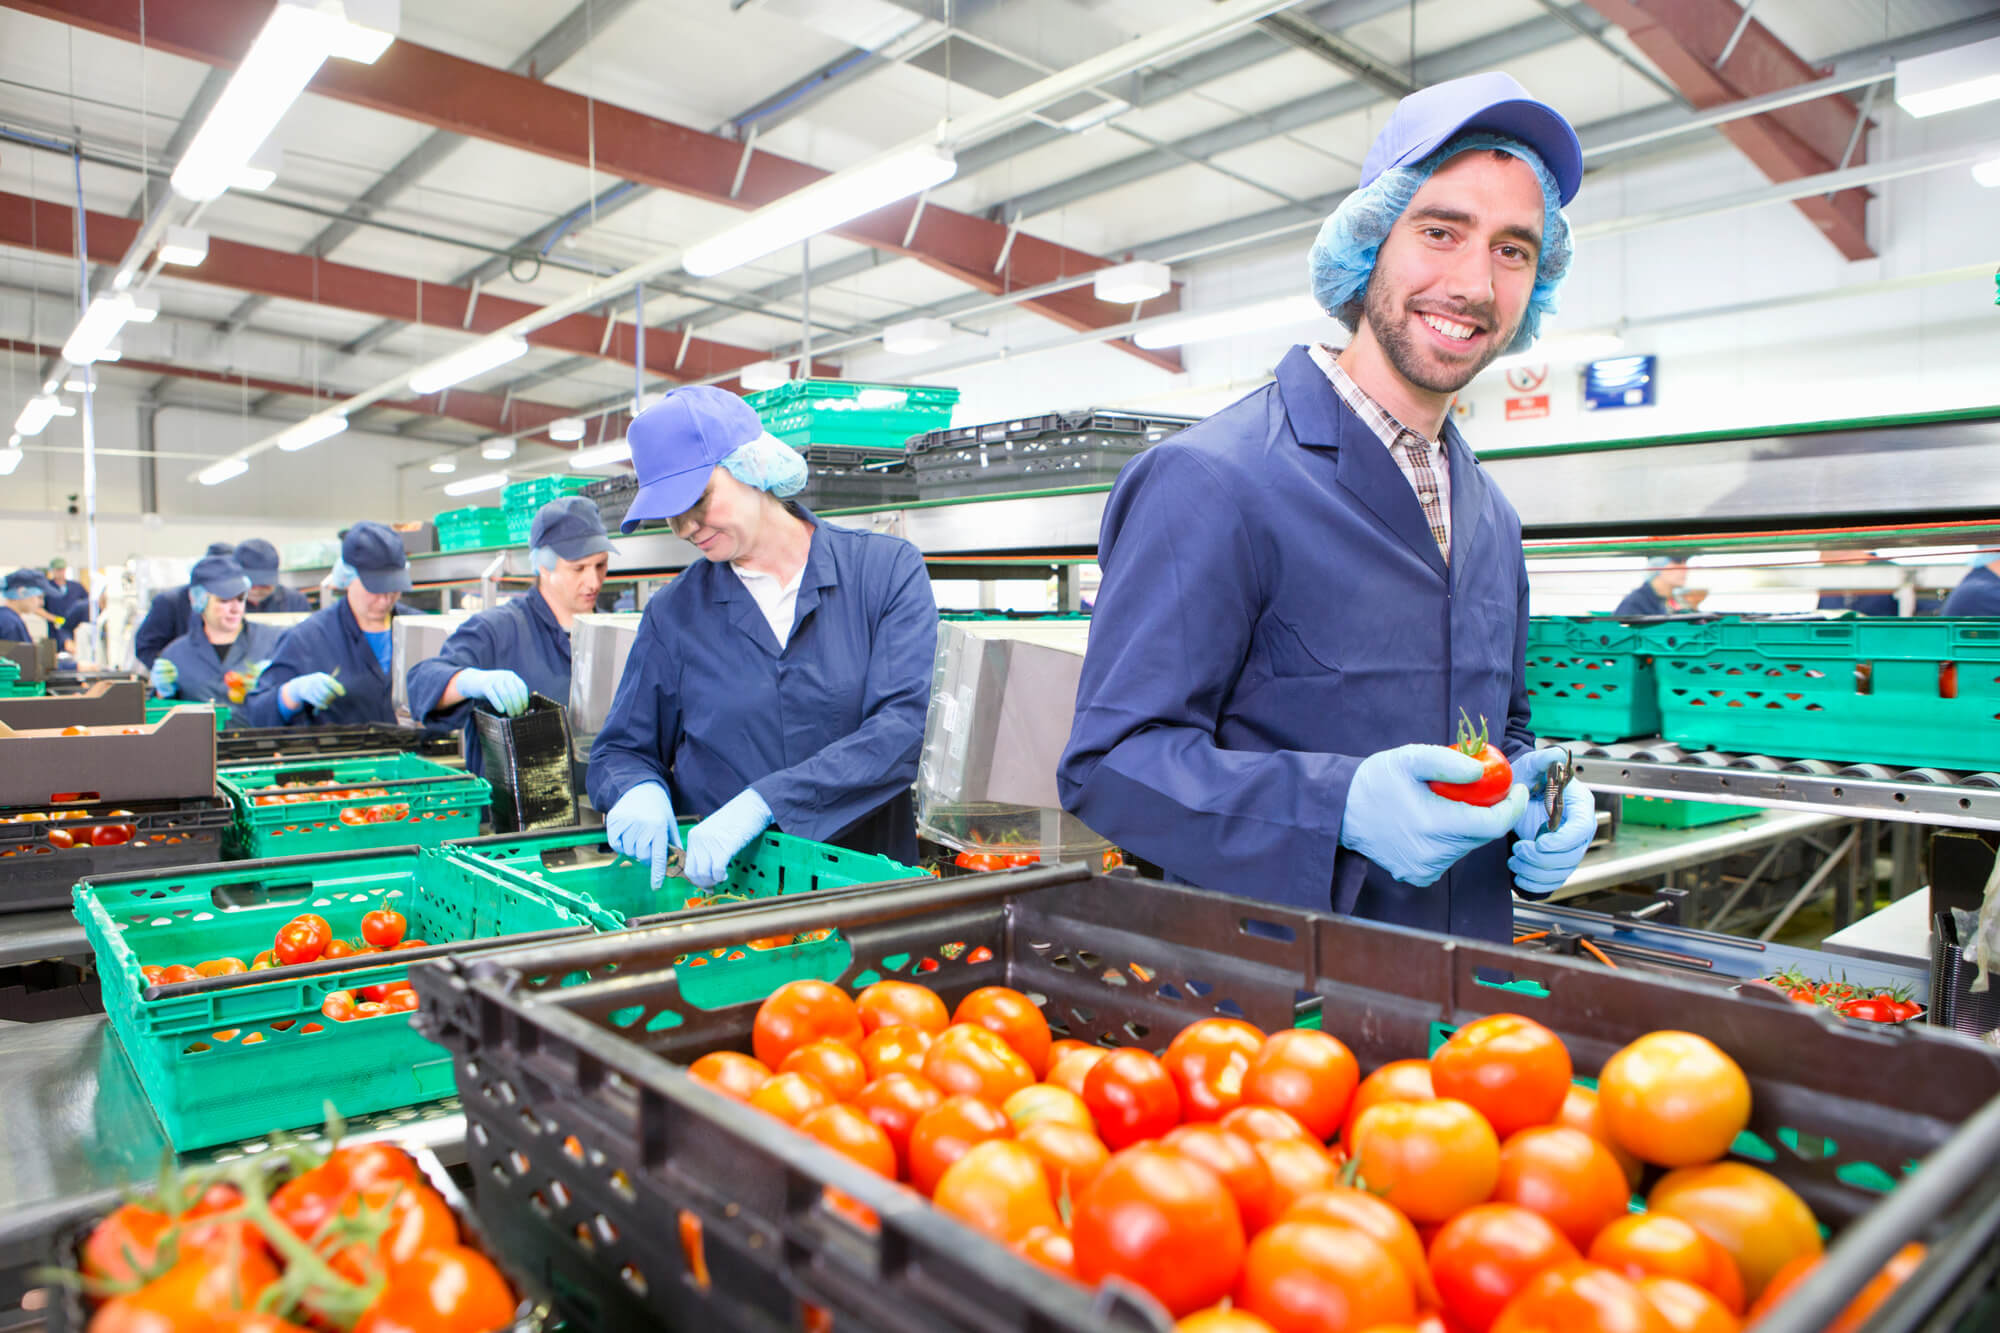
(1899, 933)
(30, 937)
(1642, 852)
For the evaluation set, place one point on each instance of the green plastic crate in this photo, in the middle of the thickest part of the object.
(11, 684)
(1664, 812)
(159, 708)
(578, 870)
(1920, 693)
(1590, 678)
(472, 529)
(814, 412)
(431, 803)
(211, 1088)
(523, 499)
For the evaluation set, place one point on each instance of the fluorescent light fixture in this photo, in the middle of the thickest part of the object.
(477, 359)
(1129, 284)
(102, 319)
(76, 386)
(371, 26)
(36, 414)
(603, 455)
(760, 375)
(310, 432)
(115, 352)
(289, 49)
(566, 430)
(184, 247)
(261, 171)
(1582, 345)
(1987, 173)
(223, 469)
(10, 458)
(144, 308)
(498, 449)
(444, 467)
(914, 337)
(876, 400)
(1949, 80)
(822, 206)
(1196, 328)
(491, 481)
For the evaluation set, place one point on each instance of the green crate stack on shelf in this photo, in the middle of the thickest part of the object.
(520, 500)
(804, 413)
(1590, 678)
(244, 1061)
(159, 708)
(416, 802)
(11, 684)
(577, 870)
(472, 529)
(1665, 812)
(1921, 693)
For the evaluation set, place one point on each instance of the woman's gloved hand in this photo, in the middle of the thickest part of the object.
(641, 825)
(318, 689)
(715, 840)
(507, 692)
(1395, 820)
(166, 678)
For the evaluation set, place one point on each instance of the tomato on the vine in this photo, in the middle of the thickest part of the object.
(417, 1219)
(450, 1289)
(1496, 776)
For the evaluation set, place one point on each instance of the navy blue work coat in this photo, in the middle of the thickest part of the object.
(166, 620)
(827, 730)
(72, 603)
(13, 629)
(1274, 609)
(321, 642)
(201, 671)
(281, 599)
(1644, 601)
(1978, 594)
(1861, 603)
(521, 636)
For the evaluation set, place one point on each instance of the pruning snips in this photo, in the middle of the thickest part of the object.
(1554, 779)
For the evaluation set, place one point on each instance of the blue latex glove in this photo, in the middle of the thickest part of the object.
(1400, 824)
(1543, 861)
(713, 841)
(318, 689)
(166, 678)
(506, 691)
(641, 825)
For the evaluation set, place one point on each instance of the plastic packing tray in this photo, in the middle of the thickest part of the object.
(229, 1057)
(569, 1072)
(421, 802)
(1953, 1002)
(471, 529)
(1032, 466)
(848, 412)
(528, 766)
(613, 497)
(159, 708)
(1153, 428)
(37, 874)
(1591, 679)
(270, 745)
(1919, 693)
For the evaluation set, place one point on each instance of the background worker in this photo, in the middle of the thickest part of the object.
(1664, 592)
(500, 656)
(67, 599)
(196, 667)
(24, 591)
(332, 668)
(260, 563)
(169, 616)
(1978, 593)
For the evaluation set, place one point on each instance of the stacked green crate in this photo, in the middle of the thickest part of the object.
(1665, 812)
(523, 499)
(807, 413)
(1590, 678)
(472, 529)
(311, 806)
(159, 708)
(11, 685)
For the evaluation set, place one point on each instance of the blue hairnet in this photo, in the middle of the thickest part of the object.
(342, 575)
(543, 558)
(1342, 258)
(198, 597)
(16, 591)
(769, 464)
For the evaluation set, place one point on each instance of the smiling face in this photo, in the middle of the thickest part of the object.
(1452, 281)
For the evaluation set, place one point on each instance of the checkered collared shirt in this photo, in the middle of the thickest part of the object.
(1424, 462)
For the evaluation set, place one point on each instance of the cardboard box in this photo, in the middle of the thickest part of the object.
(107, 703)
(171, 758)
(36, 660)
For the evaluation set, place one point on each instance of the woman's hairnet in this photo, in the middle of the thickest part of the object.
(769, 464)
(198, 597)
(1342, 258)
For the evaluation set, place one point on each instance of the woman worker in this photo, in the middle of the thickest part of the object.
(501, 655)
(196, 667)
(781, 682)
(332, 668)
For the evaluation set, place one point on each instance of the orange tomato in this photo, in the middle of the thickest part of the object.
(1674, 1098)
(1315, 1277)
(1046, 1101)
(1069, 1068)
(837, 1067)
(1751, 1214)
(895, 1102)
(1431, 1159)
(893, 1003)
(1397, 1081)
(1012, 1017)
(853, 1135)
(220, 967)
(1236, 1163)
(1070, 1046)
(1259, 1123)
(1298, 1167)
(1580, 1297)
(731, 1073)
(947, 1132)
(896, 1049)
(1510, 1069)
(1643, 1245)
(1223, 1319)
(999, 1189)
(1207, 1060)
(800, 1012)
(1566, 1176)
(1071, 1157)
(1582, 1110)
(1686, 1307)
(1309, 1073)
(791, 1097)
(1048, 1248)
(1346, 1206)
(975, 1061)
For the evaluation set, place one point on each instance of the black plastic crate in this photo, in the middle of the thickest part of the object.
(36, 871)
(1151, 428)
(613, 497)
(844, 478)
(1953, 1002)
(580, 1113)
(527, 762)
(270, 745)
(1023, 465)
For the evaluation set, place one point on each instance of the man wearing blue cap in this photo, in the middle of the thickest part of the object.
(332, 668)
(199, 666)
(1978, 593)
(1660, 594)
(260, 562)
(25, 592)
(783, 680)
(1303, 593)
(169, 616)
(499, 656)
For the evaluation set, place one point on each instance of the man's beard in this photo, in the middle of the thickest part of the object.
(1393, 335)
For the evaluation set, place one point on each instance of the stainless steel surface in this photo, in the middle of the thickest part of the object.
(29, 937)
(1039, 523)
(647, 552)
(1972, 802)
(1641, 852)
(1900, 932)
(598, 646)
(416, 639)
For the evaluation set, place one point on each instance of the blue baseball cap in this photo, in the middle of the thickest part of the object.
(220, 548)
(260, 561)
(1421, 122)
(676, 444)
(375, 553)
(571, 527)
(30, 579)
(221, 575)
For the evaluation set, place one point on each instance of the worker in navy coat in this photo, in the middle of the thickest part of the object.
(1304, 594)
(195, 668)
(499, 657)
(260, 561)
(168, 615)
(332, 668)
(1978, 593)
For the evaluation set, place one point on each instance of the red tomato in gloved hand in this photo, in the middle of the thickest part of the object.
(1496, 778)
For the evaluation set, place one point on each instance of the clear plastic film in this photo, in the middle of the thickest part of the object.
(1981, 934)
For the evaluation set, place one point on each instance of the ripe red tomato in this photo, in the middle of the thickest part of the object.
(1674, 1098)
(1431, 1159)
(1236, 1162)
(1344, 1205)
(124, 1243)
(1014, 1018)
(974, 1060)
(799, 1012)
(111, 835)
(381, 991)
(853, 1135)
(1163, 1222)
(1207, 1060)
(1259, 1123)
(731, 1073)
(1687, 1308)
(178, 972)
(1315, 1277)
(450, 1289)
(895, 1102)
(837, 1067)
(1309, 1073)
(1481, 1259)
(338, 1005)
(1299, 1169)
(60, 838)
(206, 1284)
(1496, 777)
(1580, 1297)
(302, 939)
(1566, 1176)
(1070, 1067)
(947, 1132)
(998, 1188)
(1510, 1069)
(1048, 1248)
(418, 1219)
(220, 967)
(897, 1048)
(1071, 1157)
(1132, 1097)
(1644, 1245)
(337, 949)
(791, 1097)
(1397, 1081)
(384, 927)
(402, 1001)
(889, 1003)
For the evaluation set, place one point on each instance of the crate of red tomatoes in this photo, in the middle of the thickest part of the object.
(45, 849)
(1057, 1099)
(345, 803)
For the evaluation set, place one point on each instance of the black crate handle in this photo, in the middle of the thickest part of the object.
(259, 893)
